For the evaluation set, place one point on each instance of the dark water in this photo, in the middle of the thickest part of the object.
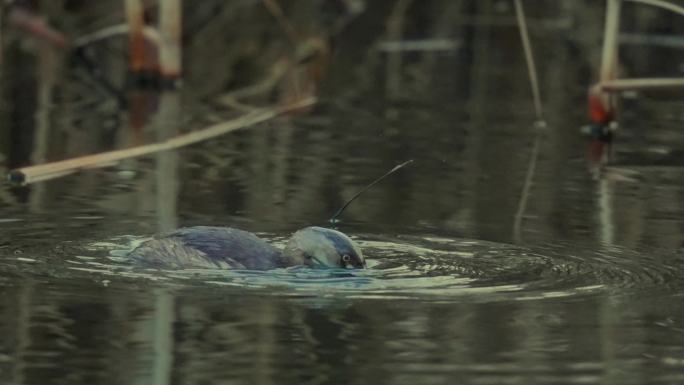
(584, 286)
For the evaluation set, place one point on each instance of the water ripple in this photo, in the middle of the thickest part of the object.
(427, 267)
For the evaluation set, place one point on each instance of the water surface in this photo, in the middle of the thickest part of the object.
(586, 288)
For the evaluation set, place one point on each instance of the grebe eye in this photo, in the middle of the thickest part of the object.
(346, 258)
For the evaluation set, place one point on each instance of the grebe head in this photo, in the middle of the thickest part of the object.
(318, 247)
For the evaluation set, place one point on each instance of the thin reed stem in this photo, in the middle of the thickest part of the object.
(529, 58)
(527, 187)
(534, 155)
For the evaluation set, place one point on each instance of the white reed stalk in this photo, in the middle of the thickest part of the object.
(610, 41)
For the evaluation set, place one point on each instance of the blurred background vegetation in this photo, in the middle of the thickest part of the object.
(460, 107)
(443, 82)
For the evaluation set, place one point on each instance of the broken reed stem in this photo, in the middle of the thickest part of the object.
(540, 124)
(52, 170)
(531, 67)
(662, 4)
(617, 85)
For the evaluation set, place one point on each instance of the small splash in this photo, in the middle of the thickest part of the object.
(10, 220)
(24, 259)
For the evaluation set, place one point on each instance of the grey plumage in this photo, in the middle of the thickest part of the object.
(210, 247)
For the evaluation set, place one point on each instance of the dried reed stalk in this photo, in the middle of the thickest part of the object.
(662, 4)
(53, 170)
(610, 41)
(641, 84)
(136, 25)
(170, 24)
(603, 104)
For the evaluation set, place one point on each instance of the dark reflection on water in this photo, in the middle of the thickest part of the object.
(430, 310)
(67, 334)
(591, 293)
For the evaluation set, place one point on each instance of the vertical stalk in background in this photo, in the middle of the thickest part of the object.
(2, 46)
(610, 43)
(608, 72)
(163, 342)
(136, 24)
(609, 54)
(605, 211)
(170, 26)
(478, 82)
(156, 330)
(539, 125)
(529, 59)
(167, 162)
(46, 78)
(395, 26)
(23, 337)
